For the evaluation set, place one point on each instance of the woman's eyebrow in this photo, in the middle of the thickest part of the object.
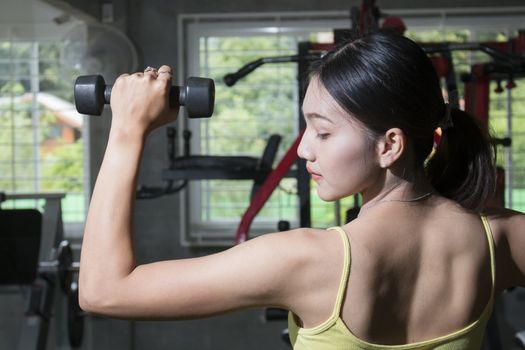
(317, 116)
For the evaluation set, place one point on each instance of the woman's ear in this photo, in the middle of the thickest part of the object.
(391, 147)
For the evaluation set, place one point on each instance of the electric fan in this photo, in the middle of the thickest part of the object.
(94, 48)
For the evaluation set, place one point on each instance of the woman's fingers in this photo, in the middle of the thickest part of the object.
(164, 73)
(141, 100)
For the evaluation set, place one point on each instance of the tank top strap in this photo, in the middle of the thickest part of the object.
(346, 271)
(492, 252)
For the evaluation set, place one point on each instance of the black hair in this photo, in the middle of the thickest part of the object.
(385, 80)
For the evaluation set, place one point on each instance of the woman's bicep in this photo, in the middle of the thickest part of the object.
(251, 274)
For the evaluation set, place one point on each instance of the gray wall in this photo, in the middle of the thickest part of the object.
(152, 26)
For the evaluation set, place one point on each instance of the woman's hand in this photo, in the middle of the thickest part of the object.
(140, 102)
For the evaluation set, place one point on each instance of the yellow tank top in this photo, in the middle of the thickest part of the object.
(334, 335)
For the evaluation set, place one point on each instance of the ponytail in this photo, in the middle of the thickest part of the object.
(463, 166)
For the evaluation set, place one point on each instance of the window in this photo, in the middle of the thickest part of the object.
(266, 101)
(263, 103)
(41, 134)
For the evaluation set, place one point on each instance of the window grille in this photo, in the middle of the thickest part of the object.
(41, 143)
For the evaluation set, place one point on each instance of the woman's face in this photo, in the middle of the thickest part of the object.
(340, 157)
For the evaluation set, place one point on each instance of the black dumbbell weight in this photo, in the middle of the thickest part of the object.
(197, 95)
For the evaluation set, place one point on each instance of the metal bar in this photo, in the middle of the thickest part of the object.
(35, 331)
(508, 151)
(303, 178)
(56, 195)
(232, 78)
(493, 52)
(337, 212)
(468, 12)
(12, 111)
(452, 88)
(50, 267)
(52, 229)
(35, 114)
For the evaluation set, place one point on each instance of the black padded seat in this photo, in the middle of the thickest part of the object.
(225, 167)
(20, 232)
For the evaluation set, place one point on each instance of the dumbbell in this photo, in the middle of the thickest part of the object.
(197, 95)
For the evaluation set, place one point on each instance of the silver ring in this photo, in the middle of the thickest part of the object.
(150, 69)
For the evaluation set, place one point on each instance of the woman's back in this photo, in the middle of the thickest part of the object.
(417, 272)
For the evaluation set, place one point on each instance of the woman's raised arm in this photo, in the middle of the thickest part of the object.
(110, 283)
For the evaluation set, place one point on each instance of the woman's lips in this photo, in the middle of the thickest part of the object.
(315, 176)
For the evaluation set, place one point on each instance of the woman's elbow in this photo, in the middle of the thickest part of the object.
(96, 301)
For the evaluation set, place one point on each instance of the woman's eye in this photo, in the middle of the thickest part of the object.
(323, 136)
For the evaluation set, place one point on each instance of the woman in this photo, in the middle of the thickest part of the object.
(419, 266)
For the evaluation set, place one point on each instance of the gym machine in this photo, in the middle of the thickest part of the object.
(35, 256)
(508, 62)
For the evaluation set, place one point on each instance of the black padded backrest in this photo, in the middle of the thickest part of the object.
(20, 231)
(270, 151)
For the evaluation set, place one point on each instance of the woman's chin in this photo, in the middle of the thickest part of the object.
(326, 197)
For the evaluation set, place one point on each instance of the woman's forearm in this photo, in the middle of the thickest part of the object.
(107, 250)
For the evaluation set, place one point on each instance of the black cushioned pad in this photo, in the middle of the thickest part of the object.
(216, 162)
(20, 231)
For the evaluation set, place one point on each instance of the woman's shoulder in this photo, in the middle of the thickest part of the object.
(304, 255)
(300, 244)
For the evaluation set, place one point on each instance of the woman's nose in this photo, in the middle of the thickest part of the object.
(303, 150)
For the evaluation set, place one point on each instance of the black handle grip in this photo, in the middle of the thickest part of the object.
(232, 78)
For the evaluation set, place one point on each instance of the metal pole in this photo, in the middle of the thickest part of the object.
(337, 212)
(508, 151)
(35, 113)
(12, 112)
(303, 178)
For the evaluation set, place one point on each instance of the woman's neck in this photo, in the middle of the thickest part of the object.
(396, 188)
